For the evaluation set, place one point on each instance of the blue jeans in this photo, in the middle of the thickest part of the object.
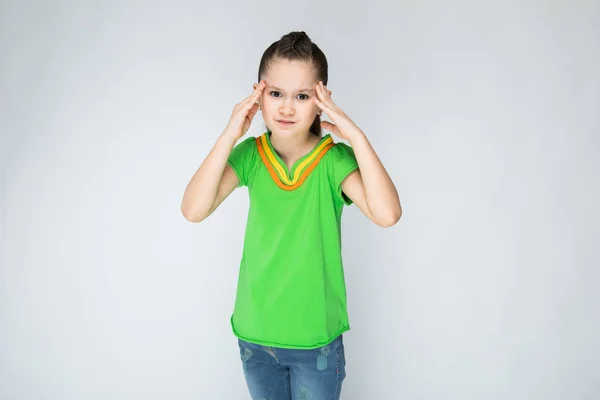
(294, 374)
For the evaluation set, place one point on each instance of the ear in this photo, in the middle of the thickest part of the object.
(258, 102)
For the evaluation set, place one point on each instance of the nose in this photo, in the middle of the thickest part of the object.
(287, 107)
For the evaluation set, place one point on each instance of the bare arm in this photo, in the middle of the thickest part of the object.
(211, 184)
(370, 187)
(215, 179)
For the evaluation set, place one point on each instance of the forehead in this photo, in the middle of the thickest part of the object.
(291, 75)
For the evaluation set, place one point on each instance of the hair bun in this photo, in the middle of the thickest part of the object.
(299, 40)
(298, 36)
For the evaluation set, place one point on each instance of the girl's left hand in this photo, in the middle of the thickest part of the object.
(342, 126)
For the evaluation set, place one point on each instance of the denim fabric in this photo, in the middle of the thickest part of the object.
(294, 374)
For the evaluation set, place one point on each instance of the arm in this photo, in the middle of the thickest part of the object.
(370, 187)
(215, 179)
(211, 184)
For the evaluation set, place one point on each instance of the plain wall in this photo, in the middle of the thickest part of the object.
(486, 115)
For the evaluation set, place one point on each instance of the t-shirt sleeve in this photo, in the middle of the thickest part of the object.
(344, 163)
(241, 159)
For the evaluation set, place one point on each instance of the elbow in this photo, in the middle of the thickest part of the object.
(390, 219)
(191, 216)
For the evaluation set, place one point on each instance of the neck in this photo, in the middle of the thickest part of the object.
(294, 146)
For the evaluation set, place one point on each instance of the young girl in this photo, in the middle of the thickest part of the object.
(290, 308)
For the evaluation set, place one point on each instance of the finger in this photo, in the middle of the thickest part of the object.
(323, 87)
(326, 91)
(253, 98)
(327, 125)
(324, 97)
(255, 93)
(252, 111)
(319, 93)
(317, 102)
(259, 88)
(261, 92)
(324, 107)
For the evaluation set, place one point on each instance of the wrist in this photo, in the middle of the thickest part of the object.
(228, 137)
(355, 136)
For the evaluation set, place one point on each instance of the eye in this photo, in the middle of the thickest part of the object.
(273, 93)
(306, 97)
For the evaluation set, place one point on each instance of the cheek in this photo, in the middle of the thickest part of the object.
(312, 107)
(269, 104)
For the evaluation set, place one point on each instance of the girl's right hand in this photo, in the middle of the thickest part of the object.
(243, 113)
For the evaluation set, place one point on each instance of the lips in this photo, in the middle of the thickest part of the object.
(285, 121)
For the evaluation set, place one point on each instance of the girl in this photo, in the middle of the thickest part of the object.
(290, 309)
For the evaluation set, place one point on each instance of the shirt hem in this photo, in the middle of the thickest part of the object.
(345, 328)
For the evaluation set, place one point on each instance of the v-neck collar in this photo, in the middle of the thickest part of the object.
(292, 179)
(289, 172)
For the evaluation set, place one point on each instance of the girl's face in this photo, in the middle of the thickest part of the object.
(288, 96)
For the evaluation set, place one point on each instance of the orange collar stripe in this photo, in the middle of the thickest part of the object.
(299, 169)
(302, 171)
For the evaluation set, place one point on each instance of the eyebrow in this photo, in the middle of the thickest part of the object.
(281, 90)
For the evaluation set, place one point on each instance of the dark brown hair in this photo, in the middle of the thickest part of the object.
(297, 46)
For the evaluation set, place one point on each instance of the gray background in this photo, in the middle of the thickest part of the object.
(484, 113)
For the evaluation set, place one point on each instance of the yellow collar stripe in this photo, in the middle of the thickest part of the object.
(302, 171)
(273, 160)
(300, 168)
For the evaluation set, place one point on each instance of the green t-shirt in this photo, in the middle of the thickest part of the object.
(291, 291)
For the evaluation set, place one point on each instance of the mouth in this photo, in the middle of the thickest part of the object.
(285, 122)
